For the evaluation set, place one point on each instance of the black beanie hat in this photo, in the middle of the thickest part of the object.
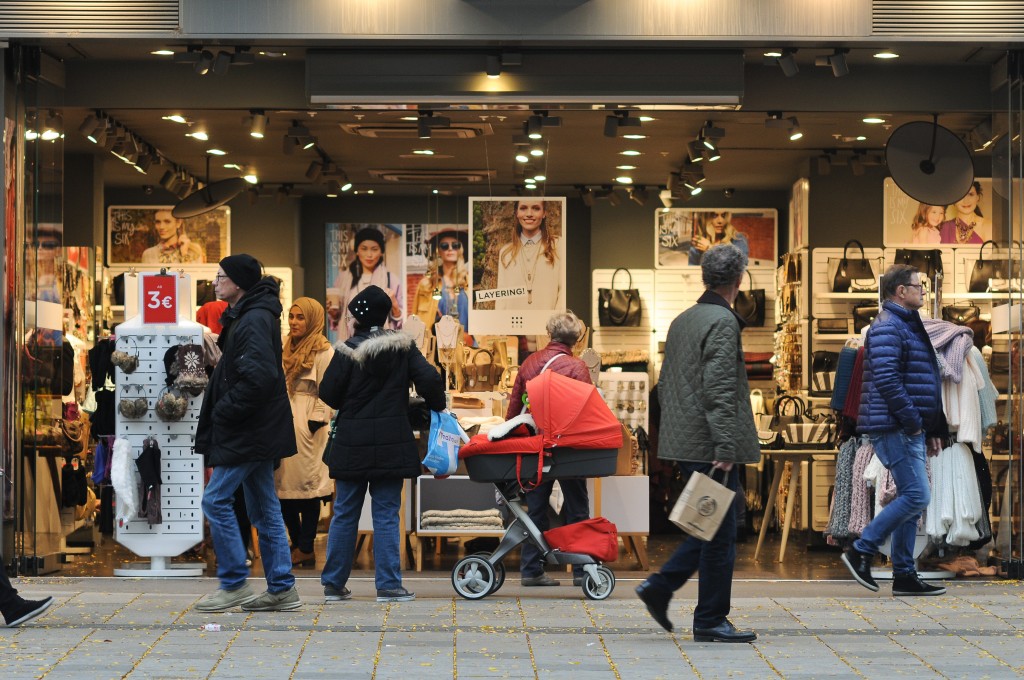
(244, 270)
(369, 234)
(371, 307)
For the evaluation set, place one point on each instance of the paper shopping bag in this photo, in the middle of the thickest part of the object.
(702, 507)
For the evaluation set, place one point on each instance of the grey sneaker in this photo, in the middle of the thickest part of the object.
(284, 601)
(222, 600)
(395, 595)
(332, 594)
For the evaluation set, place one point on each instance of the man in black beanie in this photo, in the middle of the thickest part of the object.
(245, 425)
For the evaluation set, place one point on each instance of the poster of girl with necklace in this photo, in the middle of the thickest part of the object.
(518, 257)
(967, 221)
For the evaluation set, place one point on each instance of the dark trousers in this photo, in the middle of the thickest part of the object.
(576, 506)
(714, 559)
(301, 516)
(9, 598)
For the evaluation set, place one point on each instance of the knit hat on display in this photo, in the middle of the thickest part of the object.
(371, 307)
(369, 234)
(245, 271)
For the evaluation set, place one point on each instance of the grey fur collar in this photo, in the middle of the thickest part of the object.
(376, 345)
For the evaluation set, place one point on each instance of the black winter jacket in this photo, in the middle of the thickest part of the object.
(246, 415)
(368, 382)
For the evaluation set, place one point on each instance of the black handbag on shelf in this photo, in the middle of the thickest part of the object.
(823, 373)
(989, 269)
(750, 304)
(999, 371)
(619, 306)
(788, 410)
(833, 326)
(928, 262)
(961, 315)
(854, 272)
(863, 315)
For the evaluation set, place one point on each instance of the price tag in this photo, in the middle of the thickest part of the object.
(159, 301)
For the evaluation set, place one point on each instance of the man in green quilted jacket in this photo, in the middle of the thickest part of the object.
(707, 426)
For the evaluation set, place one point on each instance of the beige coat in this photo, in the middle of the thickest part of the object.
(304, 475)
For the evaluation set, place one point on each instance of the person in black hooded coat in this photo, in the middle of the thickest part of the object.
(245, 426)
(368, 382)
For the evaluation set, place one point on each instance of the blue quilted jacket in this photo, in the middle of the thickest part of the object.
(902, 389)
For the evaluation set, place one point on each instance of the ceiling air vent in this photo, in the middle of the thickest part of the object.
(406, 131)
(943, 19)
(428, 176)
(33, 17)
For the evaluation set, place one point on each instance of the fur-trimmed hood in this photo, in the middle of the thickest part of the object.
(376, 349)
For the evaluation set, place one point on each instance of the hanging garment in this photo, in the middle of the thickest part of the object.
(123, 477)
(951, 343)
(851, 407)
(839, 518)
(860, 502)
(987, 392)
(148, 464)
(962, 406)
(955, 508)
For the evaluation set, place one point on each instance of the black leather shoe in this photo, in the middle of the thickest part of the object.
(904, 585)
(859, 565)
(657, 603)
(723, 632)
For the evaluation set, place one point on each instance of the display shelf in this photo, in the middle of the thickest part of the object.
(834, 337)
(866, 295)
(979, 296)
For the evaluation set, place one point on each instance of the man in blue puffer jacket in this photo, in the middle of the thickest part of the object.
(901, 412)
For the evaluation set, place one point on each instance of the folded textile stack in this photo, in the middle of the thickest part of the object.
(461, 519)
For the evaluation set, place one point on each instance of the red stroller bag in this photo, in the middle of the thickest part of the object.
(596, 537)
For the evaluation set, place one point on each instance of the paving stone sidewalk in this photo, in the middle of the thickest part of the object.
(113, 628)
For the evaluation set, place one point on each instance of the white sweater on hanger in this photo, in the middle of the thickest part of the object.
(962, 405)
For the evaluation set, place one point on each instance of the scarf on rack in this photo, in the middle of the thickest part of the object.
(951, 344)
(299, 355)
(987, 393)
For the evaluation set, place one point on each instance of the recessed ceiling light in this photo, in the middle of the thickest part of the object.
(634, 136)
(198, 134)
(536, 151)
(412, 118)
(774, 54)
(625, 167)
(540, 178)
(522, 158)
(434, 191)
(273, 54)
(332, 195)
(423, 152)
(251, 177)
(175, 118)
(629, 152)
(217, 152)
(886, 54)
(624, 180)
(163, 53)
(874, 120)
(861, 138)
(647, 119)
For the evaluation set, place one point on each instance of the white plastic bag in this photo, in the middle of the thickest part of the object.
(126, 485)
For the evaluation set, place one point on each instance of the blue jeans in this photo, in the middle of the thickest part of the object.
(904, 456)
(575, 503)
(714, 559)
(264, 510)
(386, 502)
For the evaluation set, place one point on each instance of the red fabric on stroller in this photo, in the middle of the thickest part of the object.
(568, 413)
(596, 537)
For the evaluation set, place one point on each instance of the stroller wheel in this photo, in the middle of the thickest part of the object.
(499, 572)
(600, 588)
(473, 577)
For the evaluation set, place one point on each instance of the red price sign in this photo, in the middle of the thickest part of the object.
(159, 299)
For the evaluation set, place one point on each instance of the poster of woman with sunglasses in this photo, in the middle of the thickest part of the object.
(443, 288)
(684, 235)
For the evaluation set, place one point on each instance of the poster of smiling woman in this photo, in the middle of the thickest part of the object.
(361, 255)
(518, 257)
(151, 235)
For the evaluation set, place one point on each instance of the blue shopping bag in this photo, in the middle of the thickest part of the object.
(445, 438)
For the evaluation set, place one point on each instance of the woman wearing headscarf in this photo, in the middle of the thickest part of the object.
(303, 480)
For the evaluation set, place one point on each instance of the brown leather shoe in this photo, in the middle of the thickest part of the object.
(301, 558)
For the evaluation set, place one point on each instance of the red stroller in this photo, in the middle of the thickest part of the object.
(576, 436)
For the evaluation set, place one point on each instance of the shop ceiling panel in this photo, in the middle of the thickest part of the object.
(527, 20)
(86, 17)
(615, 78)
(975, 20)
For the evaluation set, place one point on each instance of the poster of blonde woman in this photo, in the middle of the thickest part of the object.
(361, 255)
(966, 221)
(684, 234)
(518, 264)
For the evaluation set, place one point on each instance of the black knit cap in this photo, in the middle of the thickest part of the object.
(370, 234)
(245, 271)
(371, 307)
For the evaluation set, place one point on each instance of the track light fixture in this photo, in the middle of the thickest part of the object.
(619, 119)
(836, 60)
(695, 150)
(795, 132)
(257, 124)
(711, 131)
(221, 63)
(427, 121)
(665, 195)
(314, 170)
(613, 198)
(283, 192)
(787, 62)
(824, 164)
(203, 63)
(638, 195)
(493, 67)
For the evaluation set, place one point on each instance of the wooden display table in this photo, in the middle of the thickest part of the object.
(778, 460)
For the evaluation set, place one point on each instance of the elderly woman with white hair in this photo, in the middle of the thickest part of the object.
(564, 329)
